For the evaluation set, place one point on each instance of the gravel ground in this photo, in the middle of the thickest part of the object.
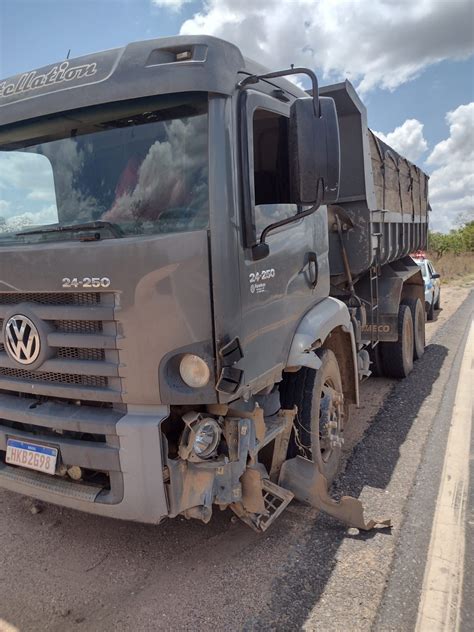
(62, 570)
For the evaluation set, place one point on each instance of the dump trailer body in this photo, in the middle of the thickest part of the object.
(383, 197)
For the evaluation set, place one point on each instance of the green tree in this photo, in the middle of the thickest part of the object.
(468, 236)
(458, 240)
(438, 243)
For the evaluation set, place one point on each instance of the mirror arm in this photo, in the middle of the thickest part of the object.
(287, 220)
(251, 79)
(261, 250)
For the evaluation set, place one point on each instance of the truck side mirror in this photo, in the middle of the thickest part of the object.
(314, 151)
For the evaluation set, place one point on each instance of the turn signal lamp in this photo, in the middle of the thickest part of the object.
(194, 371)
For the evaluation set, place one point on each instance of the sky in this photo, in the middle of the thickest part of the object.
(411, 61)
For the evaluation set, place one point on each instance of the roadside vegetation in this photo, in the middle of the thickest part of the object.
(453, 253)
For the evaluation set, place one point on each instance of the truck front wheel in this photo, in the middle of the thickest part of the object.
(319, 424)
(398, 356)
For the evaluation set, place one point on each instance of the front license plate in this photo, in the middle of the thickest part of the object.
(33, 456)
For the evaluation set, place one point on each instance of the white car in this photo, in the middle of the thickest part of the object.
(432, 286)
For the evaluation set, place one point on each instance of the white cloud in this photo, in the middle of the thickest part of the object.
(19, 221)
(42, 196)
(27, 172)
(452, 181)
(373, 43)
(174, 5)
(26, 191)
(158, 190)
(407, 139)
(47, 215)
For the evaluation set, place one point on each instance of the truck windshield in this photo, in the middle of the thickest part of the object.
(145, 172)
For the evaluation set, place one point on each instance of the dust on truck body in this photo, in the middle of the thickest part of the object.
(199, 262)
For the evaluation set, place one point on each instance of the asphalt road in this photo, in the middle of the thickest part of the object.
(62, 570)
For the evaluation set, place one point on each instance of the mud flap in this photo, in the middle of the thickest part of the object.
(303, 478)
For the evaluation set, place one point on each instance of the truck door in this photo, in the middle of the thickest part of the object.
(277, 290)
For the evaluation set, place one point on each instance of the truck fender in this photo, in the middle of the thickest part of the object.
(326, 317)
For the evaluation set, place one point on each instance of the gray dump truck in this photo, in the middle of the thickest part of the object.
(199, 262)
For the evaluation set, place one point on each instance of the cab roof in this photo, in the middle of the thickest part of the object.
(140, 69)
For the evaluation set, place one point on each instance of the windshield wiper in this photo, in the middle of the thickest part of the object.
(64, 228)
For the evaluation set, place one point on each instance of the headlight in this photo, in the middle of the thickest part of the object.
(207, 434)
(194, 371)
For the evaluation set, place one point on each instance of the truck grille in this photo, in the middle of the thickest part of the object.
(78, 326)
(71, 353)
(81, 354)
(84, 363)
(60, 378)
(46, 298)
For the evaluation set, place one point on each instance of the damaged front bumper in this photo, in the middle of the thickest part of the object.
(248, 472)
(233, 478)
(257, 493)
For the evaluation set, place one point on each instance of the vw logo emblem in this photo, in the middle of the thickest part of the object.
(22, 340)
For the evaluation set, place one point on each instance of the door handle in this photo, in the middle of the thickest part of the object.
(313, 270)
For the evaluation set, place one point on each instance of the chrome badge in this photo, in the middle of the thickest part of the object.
(22, 340)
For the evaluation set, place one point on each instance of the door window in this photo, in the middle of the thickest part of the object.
(271, 169)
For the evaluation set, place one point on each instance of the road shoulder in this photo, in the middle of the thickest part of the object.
(401, 601)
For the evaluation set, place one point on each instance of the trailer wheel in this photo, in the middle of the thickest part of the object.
(398, 356)
(418, 316)
(319, 424)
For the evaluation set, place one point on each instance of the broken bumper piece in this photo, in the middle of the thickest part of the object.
(236, 480)
(308, 485)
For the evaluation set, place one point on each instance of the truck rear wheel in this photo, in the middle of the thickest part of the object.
(418, 316)
(398, 356)
(320, 421)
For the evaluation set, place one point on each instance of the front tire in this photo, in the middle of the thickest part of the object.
(319, 425)
(438, 301)
(398, 356)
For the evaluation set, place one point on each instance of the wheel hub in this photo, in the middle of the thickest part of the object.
(331, 420)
